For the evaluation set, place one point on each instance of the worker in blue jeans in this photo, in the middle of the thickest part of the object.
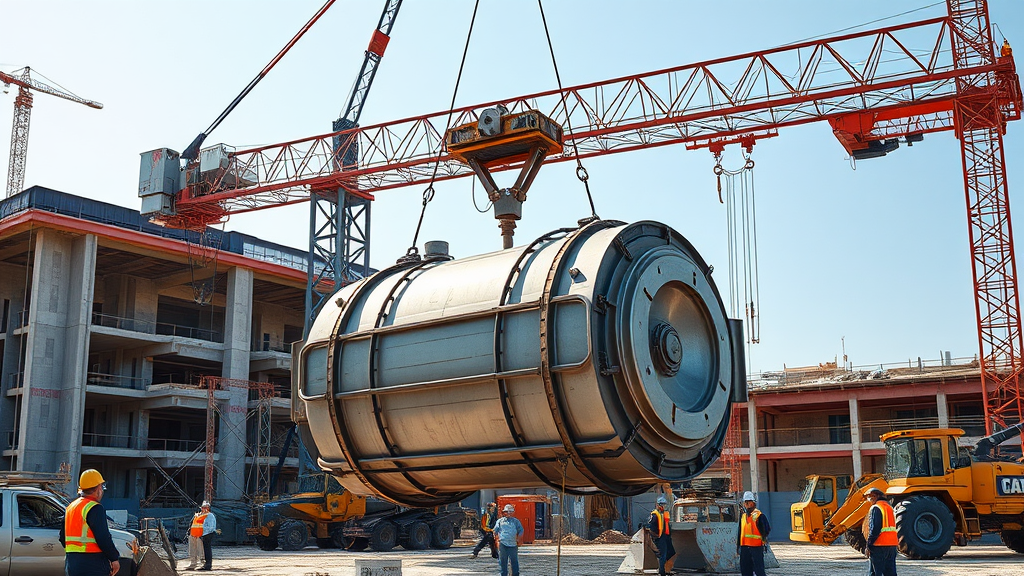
(508, 533)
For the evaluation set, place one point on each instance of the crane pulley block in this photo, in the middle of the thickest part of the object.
(501, 138)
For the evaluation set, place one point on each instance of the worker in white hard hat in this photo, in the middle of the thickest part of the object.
(508, 533)
(88, 548)
(661, 533)
(209, 531)
(753, 537)
(195, 539)
(881, 540)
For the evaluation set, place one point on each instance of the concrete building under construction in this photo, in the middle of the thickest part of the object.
(108, 325)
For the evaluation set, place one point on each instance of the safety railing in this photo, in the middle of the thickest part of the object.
(151, 327)
(172, 444)
(108, 440)
(115, 381)
(800, 436)
(831, 373)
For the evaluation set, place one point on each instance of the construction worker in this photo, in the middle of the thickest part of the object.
(88, 548)
(753, 537)
(880, 535)
(661, 534)
(209, 531)
(487, 528)
(1006, 50)
(195, 540)
(508, 535)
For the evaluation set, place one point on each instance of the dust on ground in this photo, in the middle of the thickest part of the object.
(594, 560)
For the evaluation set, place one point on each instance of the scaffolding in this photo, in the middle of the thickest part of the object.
(258, 408)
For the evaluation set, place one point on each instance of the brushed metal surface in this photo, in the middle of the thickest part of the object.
(600, 357)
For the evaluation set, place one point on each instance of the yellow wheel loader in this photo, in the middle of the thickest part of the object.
(943, 494)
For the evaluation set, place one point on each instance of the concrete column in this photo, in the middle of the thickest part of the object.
(942, 408)
(57, 346)
(858, 459)
(231, 439)
(755, 468)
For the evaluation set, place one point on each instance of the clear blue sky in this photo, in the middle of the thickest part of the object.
(878, 254)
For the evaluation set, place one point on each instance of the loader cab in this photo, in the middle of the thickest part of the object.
(920, 459)
(818, 502)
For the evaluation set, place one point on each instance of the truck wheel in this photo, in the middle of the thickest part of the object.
(293, 536)
(266, 543)
(855, 538)
(1014, 540)
(442, 535)
(925, 527)
(418, 537)
(383, 537)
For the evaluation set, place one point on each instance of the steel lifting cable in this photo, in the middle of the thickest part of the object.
(428, 194)
(581, 172)
(741, 230)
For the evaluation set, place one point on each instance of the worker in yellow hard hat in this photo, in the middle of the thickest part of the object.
(88, 548)
(1006, 50)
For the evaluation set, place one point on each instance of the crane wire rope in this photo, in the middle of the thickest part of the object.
(741, 231)
(861, 25)
(581, 172)
(428, 193)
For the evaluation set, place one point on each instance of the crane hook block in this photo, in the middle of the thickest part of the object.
(500, 138)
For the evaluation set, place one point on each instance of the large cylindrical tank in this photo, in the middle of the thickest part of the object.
(594, 358)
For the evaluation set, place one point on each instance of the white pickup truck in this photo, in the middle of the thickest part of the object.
(30, 521)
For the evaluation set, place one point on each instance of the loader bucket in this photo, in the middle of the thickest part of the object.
(641, 555)
(150, 564)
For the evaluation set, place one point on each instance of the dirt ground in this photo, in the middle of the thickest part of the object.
(594, 560)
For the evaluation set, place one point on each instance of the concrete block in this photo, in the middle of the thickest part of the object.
(377, 567)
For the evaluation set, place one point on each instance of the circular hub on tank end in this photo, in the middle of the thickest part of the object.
(673, 342)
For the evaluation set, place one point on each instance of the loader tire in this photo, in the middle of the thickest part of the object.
(266, 543)
(1014, 540)
(383, 537)
(855, 538)
(925, 527)
(293, 536)
(442, 535)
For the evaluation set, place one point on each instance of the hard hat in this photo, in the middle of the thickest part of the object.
(873, 490)
(748, 496)
(662, 500)
(491, 504)
(90, 479)
(205, 504)
(509, 508)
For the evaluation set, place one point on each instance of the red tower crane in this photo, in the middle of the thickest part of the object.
(22, 114)
(874, 88)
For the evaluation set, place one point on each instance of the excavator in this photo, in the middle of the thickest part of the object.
(943, 494)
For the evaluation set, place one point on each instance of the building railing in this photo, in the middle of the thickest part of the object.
(801, 436)
(172, 444)
(830, 373)
(870, 430)
(15, 380)
(151, 327)
(115, 381)
(107, 440)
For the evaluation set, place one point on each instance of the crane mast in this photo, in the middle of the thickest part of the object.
(945, 76)
(22, 118)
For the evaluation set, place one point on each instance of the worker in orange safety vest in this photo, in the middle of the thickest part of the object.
(880, 535)
(753, 537)
(195, 539)
(89, 549)
(661, 534)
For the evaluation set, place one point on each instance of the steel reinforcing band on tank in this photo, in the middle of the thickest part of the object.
(600, 357)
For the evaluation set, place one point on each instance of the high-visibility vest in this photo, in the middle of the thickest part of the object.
(662, 517)
(78, 536)
(197, 525)
(887, 537)
(749, 534)
(485, 522)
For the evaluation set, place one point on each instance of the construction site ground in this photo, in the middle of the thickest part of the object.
(596, 560)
